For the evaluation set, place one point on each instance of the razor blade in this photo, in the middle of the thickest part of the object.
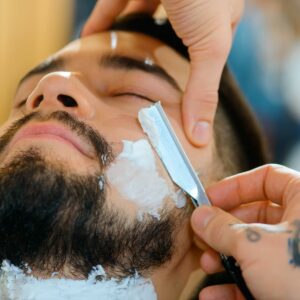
(156, 125)
(163, 138)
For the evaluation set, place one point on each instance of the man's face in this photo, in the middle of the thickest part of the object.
(108, 92)
(101, 82)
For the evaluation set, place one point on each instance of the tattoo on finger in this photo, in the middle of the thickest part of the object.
(252, 235)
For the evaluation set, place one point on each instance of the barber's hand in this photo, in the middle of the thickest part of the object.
(269, 255)
(206, 28)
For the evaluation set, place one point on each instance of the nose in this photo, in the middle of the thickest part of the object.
(61, 91)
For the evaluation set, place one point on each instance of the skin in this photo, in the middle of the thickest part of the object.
(103, 102)
(259, 231)
(206, 28)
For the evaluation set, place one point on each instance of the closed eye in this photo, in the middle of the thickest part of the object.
(135, 95)
(22, 103)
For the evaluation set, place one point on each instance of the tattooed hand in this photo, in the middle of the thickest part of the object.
(261, 229)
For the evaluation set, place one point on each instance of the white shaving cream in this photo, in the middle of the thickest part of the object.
(179, 198)
(15, 285)
(135, 176)
(150, 128)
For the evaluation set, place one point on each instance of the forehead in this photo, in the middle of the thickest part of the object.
(128, 44)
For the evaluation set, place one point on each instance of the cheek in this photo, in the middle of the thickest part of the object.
(116, 200)
(6, 125)
(119, 127)
(126, 105)
(138, 178)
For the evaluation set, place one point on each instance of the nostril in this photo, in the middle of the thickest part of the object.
(38, 101)
(67, 101)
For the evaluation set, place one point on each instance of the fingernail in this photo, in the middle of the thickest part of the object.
(201, 132)
(202, 216)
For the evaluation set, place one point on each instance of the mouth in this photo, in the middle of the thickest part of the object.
(52, 131)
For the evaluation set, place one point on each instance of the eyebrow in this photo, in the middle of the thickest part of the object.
(127, 63)
(118, 62)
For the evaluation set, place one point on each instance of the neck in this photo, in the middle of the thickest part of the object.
(16, 285)
(171, 280)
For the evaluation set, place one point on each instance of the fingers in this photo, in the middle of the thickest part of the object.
(208, 56)
(214, 226)
(221, 292)
(142, 6)
(198, 108)
(201, 95)
(256, 247)
(103, 15)
(225, 233)
(259, 212)
(106, 11)
(210, 262)
(272, 182)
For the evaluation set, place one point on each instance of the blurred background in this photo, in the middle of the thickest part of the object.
(265, 58)
(29, 31)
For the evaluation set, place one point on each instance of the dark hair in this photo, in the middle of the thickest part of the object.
(239, 141)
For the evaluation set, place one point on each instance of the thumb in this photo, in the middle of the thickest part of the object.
(201, 95)
(214, 227)
(103, 15)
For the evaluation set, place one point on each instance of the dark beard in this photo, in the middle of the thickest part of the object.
(51, 219)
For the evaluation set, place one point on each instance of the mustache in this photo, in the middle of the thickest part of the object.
(102, 148)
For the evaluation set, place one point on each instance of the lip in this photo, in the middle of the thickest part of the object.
(54, 131)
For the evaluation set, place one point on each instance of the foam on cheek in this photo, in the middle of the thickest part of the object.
(15, 285)
(135, 176)
(150, 128)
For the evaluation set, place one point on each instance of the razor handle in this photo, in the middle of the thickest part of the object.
(235, 272)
